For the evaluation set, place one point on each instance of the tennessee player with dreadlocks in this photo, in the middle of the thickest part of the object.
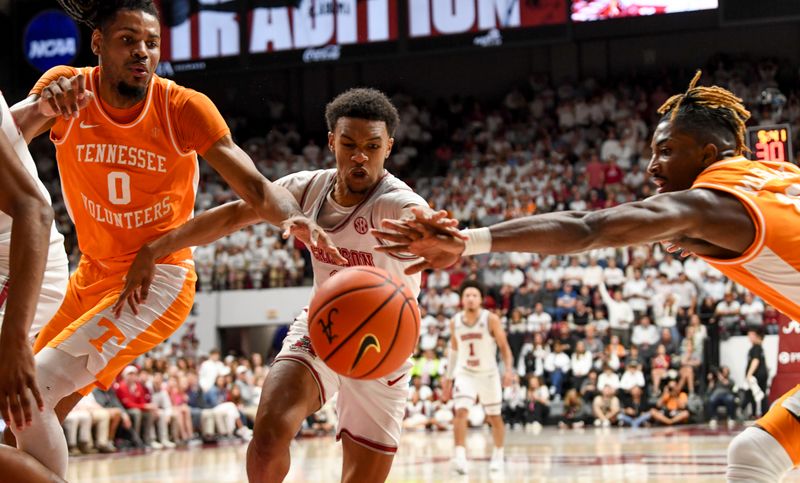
(127, 143)
(741, 216)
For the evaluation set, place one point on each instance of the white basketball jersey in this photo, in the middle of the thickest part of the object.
(351, 233)
(17, 140)
(477, 349)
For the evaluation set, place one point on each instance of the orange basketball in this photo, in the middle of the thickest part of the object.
(363, 322)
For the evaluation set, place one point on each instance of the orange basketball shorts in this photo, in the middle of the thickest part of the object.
(782, 423)
(85, 327)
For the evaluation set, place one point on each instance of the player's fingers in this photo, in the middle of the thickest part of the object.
(52, 108)
(15, 410)
(67, 96)
(145, 290)
(396, 248)
(4, 410)
(399, 227)
(418, 267)
(389, 236)
(25, 406)
(80, 86)
(132, 304)
(57, 96)
(37, 396)
(116, 310)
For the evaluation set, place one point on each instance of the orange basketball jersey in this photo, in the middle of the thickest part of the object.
(770, 267)
(130, 175)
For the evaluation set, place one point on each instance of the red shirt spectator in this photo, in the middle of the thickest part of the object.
(132, 393)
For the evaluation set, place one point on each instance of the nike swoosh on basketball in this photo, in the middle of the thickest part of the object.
(395, 381)
(368, 341)
(88, 126)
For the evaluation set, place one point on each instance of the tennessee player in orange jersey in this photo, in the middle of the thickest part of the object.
(126, 145)
(741, 216)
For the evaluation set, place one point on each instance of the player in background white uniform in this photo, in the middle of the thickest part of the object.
(472, 372)
(33, 279)
(346, 202)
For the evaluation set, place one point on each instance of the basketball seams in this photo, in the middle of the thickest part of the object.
(391, 345)
(341, 294)
(361, 325)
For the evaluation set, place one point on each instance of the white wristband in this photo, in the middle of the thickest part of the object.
(479, 241)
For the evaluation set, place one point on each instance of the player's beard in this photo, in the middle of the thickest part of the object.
(135, 93)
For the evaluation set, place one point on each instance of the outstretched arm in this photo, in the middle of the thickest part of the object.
(272, 203)
(717, 219)
(202, 230)
(32, 218)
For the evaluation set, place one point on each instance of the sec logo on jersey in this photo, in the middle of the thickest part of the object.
(361, 225)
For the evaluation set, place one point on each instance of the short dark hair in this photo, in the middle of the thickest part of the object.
(757, 330)
(98, 13)
(471, 284)
(362, 103)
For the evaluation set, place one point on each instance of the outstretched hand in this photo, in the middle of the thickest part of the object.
(65, 97)
(137, 282)
(312, 235)
(18, 388)
(434, 237)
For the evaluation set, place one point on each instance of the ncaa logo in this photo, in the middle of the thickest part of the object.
(361, 225)
(51, 39)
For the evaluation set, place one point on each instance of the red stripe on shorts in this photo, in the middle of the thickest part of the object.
(366, 442)
(4, 294)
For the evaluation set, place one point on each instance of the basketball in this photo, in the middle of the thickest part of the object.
(363, 322)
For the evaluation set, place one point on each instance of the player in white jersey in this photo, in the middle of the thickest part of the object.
(472, 372)
(346, 202)
(33, 269)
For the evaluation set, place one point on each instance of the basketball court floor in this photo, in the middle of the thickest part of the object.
(685, 454)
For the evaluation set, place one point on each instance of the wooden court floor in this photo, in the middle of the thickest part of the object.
(686, 454)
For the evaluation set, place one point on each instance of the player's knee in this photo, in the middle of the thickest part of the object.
(462, 413)
(743, 450)
(274, 431)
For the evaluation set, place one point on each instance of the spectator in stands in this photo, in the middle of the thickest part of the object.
(720, 394)
(135, 398)
(210, 369)
(605, 407)
(615, 353)
(184, 430)
(581, 363)
(202, 414)
(635, 408)
(119, 421)
(575, 412)
(659, 365)
(672, 406)
(539, 320)
(226, 412)
(537, 403)
(589, 389)
(728, 314)
(690, 361)
(514, 401)
(608, 378)
(752, 310)
(645, 336)
(620, 314)
(632, 377)
(556, 366)
(87, 428)
(248, 403)
(593, 343)
(160, 398)
(533, 356)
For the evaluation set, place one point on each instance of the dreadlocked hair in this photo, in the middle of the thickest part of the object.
(711, 110)
(96, 13)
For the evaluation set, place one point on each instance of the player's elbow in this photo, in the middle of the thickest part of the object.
(33, 209)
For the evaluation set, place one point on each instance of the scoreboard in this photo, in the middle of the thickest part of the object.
(770, 142)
